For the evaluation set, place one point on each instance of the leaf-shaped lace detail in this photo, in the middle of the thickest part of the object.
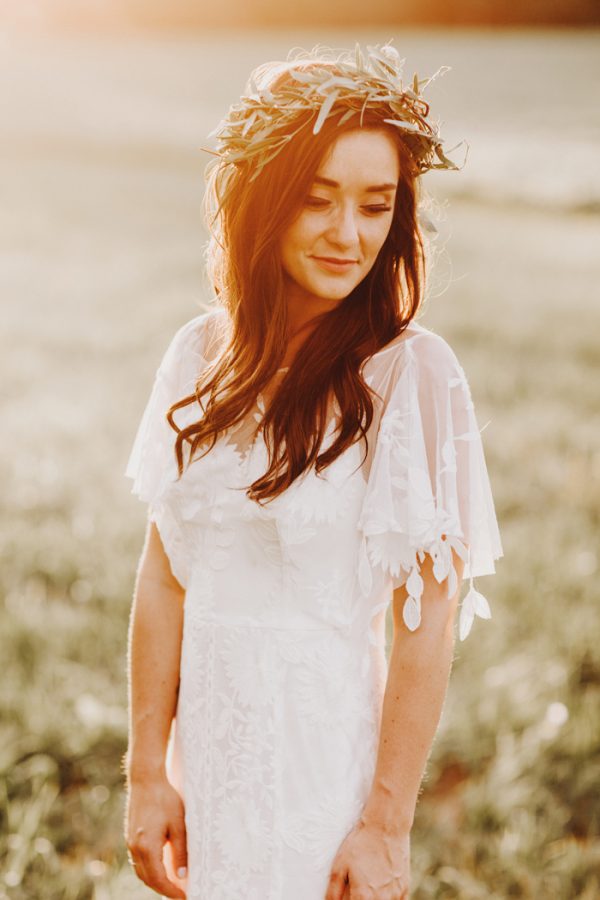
(473, 604)
(241, 833)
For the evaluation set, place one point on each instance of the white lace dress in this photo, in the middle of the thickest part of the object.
(283, 663)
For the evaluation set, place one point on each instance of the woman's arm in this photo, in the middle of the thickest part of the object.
(375, 857)
(155, 811)
(419, 669)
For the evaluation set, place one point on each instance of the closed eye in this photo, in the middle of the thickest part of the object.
(374, 209)
(371, 208)
(316, 202)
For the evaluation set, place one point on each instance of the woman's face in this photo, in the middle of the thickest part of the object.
(344, 221)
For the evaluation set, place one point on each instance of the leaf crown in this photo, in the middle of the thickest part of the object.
(281, 98)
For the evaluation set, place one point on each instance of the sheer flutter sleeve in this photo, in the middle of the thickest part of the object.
(152, 463)
(428, 488)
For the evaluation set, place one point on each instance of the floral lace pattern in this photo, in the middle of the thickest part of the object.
(429, 492)
(283, 653)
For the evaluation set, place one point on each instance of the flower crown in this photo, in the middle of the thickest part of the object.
(282, 98)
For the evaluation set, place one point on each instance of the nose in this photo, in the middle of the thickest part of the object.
(344, 227)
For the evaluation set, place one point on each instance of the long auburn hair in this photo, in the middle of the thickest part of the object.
(247, 218)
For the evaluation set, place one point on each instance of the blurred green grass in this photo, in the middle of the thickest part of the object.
(102, 261)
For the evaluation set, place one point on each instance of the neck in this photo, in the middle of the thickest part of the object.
(303, 307)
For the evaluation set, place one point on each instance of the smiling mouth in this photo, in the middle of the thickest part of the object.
(334, 264)
(334, 259)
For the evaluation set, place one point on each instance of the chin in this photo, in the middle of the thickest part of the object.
(333, 292)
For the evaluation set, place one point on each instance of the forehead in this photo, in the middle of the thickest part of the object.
(361, 154)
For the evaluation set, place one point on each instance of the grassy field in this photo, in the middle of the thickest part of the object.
(101, 261)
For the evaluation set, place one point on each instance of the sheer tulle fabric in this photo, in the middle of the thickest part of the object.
(428, 489)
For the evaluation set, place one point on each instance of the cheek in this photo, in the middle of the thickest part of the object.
(376, 236)
(298, 240)
(288, 249)
(304, 231)
(290, 240)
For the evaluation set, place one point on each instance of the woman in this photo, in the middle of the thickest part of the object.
(310, 455)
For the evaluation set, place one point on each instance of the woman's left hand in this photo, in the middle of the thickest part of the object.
(371, 864)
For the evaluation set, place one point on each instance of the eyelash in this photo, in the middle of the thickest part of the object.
(319, 203)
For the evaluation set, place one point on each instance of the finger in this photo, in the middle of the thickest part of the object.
(178, 841)
(336, 887)
(149, 867)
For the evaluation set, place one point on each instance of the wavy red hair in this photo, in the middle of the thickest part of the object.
(247, 218)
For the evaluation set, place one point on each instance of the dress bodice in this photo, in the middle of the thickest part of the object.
(349, 535)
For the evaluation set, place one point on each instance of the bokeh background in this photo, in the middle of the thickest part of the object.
(103, 110)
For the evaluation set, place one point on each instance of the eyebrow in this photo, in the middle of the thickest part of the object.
(373, 189)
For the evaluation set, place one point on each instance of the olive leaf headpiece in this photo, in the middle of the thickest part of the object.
(281, 98)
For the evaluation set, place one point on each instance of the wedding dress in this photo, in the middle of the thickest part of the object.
(283, 663)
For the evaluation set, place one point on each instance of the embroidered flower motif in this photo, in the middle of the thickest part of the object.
(329, 496)
(322, 685)
(223, 889)
(252, 667)
(319, 832)
(241, 833)
(333, 596)
(264, 543)
(208, 483)
(295, 530)
(393, 430)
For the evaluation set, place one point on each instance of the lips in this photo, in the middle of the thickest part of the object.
(334, 264)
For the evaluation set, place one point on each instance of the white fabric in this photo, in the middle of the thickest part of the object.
(283, 662)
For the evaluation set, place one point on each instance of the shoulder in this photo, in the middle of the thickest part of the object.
(197, 339)
(190, 350)
(418, 351)
(433, 355)
(201, 332)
